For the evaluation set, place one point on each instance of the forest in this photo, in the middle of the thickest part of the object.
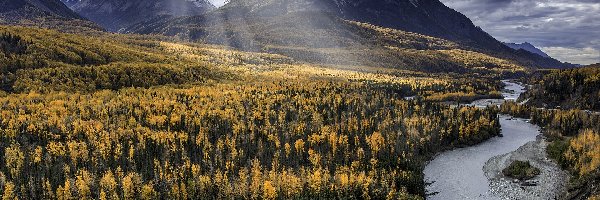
(566, 104)
(574, 137)
(301, 106)
(317, 139)
(109, 116)
(569, 88)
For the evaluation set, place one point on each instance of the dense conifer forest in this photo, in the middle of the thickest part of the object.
(570, 88)
(574, 137)
(566, 104)
(264, 99)
(265, 140)
(144, 117)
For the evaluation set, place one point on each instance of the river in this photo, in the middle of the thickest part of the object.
(458, 174)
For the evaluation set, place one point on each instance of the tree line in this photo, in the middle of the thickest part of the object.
(574, 137)
(118, 116)
(276, 140)
(577, 88)
(565, 103)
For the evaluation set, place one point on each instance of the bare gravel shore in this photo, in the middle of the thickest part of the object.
(550, 184)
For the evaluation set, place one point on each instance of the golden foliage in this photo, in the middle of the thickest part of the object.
(131, 117)
(9, 192)
(584, 151)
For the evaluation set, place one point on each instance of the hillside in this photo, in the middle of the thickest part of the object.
(114, 15)
(569, 89)
(45, 60)
(28, 53)
(37, 8)
(427, 17)
(277, 18)
(43, 13)
(321, 38)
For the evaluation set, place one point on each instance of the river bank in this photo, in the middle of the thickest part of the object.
(511, 92)
(458, 174)
(549, 184)
(475, 172)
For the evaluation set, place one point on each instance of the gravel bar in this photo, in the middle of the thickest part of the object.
(550, 184)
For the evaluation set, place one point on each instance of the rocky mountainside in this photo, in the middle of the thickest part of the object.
(43, 13)
(22, 9)
(427, 17)
(70, 3)
(117, 14)
(527, 47)
(325, 39)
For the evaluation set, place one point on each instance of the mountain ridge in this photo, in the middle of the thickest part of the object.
(321, 38)
(115, 15)
(427, 17)
(51, 14)
(527, 47)
(37, 8)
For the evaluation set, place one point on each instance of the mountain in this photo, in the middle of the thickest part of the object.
(527, 47)
(15, 10)
(278, 18)
(536, 55)
(324, 39)
(70, 3)
(117, 14)
(428, 17)
(43, 13)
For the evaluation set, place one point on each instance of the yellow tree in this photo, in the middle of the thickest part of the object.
(130, 185)
(82, 183)
(269, 192)
(14, 158)
(9, 192)
(148, 192)
(64, 192)
(108, 186)
(255, 183)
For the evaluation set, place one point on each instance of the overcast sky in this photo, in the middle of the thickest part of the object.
(568, 30)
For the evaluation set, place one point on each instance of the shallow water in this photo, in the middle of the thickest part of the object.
(458, 174)
(511, 92)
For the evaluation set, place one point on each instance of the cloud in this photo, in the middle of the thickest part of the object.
(556, 25)
(574, 55)
(217, 3)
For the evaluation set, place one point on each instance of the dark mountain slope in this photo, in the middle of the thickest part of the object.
(323, 38)
(527, 47)
(70, 3)
(117, 14)
(427, 17)
(43, 13)
(36, 8)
